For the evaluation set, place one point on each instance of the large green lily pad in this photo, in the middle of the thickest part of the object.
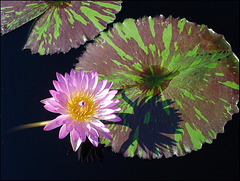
(62, 25)
(177, 82)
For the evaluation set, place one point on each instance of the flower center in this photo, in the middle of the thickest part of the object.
(82, 107)
(60, 4)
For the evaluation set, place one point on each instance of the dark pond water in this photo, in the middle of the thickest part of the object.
(35, 154)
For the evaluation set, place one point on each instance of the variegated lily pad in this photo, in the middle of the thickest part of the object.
(62, 25)
(177, 81)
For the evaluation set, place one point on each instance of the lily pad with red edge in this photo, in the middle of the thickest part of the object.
(177, 82)
(62, 25)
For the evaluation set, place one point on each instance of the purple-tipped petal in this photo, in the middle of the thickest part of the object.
(108, 85)
(99, 126)
(106, 135)
(93, 132)
(58, 121)
(63, 132)
(93, 140)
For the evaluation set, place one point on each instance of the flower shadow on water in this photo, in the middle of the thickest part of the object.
(152, 126)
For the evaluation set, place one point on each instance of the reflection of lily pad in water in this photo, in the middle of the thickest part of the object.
(62, 25)
(192, 68)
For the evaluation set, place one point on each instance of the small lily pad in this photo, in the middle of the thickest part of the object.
(62, 25)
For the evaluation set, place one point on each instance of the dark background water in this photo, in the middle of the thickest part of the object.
(35, 154)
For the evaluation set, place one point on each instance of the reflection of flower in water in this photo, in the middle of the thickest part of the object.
(81, 101)
(89, 153)
(173, 74)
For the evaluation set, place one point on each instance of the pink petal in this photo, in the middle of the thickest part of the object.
(93, 137)
(99, 126)
(106, 135)
(90, 75)
(58, 121)
(93, 132)
(74, 77)
(81, 132)
(108, 104)
(79, 83)
(50, 108)
(102, 94)
(57, 106)
(56, 85)
(100, 86)
(67, 78)
(74, 135)
(111, 94)
(70, 125)
(63, 132)
(75, 144)
(45, 101)
(72, 89)
(59, 97)
(84, 83)
(110, 117)
(72, 73)
(81, 74)
(60, 87)
(108, 111)
(93, 140)
(60, 78)
(93, 83)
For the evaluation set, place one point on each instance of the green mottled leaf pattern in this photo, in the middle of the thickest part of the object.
(177, 81)
(64, 24)
(16, 13)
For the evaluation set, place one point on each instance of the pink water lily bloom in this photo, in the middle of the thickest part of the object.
(82, 103)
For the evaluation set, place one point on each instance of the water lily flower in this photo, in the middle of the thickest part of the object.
(82, 103)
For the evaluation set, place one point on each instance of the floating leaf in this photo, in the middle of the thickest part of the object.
(177, 81)
(62, 25)
(16, 13)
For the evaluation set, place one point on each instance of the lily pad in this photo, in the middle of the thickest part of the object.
(177, 82)
(62, 25)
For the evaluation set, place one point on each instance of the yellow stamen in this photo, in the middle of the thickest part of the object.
(81, 106)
